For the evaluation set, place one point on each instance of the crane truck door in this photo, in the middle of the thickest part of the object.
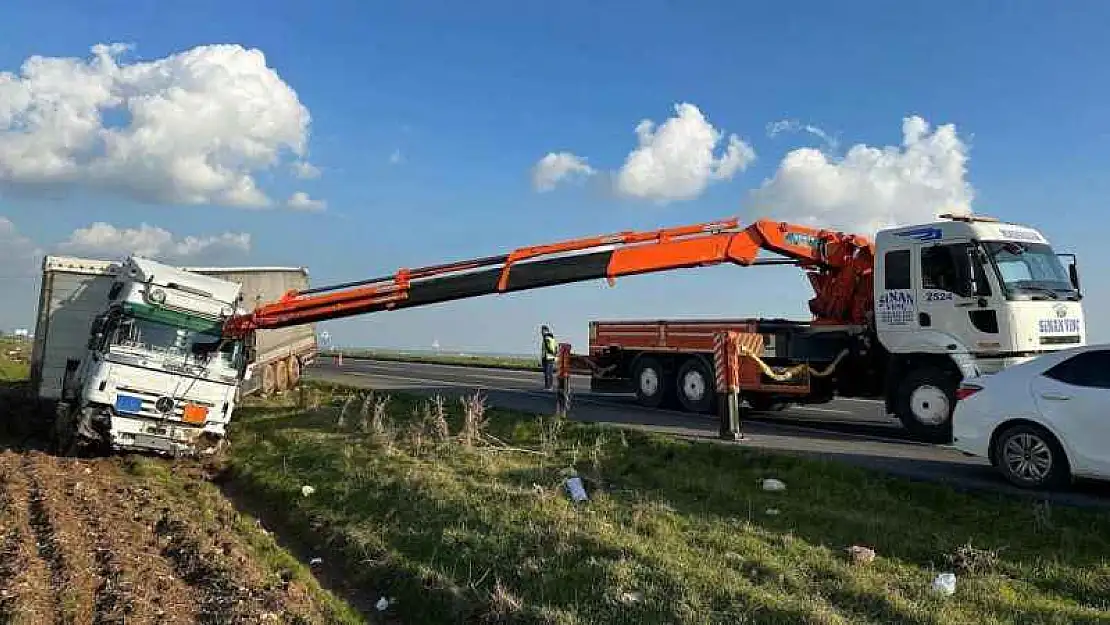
(895, 301)
(955, 298)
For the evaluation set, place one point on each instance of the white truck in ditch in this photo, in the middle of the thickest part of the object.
(129, 355)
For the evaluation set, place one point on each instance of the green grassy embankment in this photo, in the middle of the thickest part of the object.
(490, 362)
(673, 532)
(15, 358)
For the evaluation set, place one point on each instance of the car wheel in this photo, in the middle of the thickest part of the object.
(696, 386)
(1029, 456)
(925, 400)
(651, 382)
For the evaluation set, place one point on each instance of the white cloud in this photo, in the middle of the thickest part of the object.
(19, 256)
(872, 187)
(191, 128)
(790, 125)
(677, 161)
(107, 241)
(300, 201)
(305, 170)
(555, 167)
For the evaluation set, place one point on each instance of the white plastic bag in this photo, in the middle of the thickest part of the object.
(773, 485)
(945, 583)
(576, 489)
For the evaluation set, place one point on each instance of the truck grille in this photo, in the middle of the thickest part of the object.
(147, 404)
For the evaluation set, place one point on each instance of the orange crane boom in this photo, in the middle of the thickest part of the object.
(839, 267)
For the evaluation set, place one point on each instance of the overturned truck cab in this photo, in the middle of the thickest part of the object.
(154, 373)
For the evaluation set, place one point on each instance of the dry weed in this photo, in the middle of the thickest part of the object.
(474, 419)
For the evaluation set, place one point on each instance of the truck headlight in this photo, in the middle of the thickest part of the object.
(158, 296)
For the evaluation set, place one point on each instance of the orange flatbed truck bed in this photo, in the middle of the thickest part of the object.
(670, 362)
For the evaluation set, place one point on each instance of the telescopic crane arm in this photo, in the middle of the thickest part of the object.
(838, 265)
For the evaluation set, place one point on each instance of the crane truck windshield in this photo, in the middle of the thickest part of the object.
(1030, 269)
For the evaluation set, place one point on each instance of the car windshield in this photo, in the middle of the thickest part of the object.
(1029, 267)
(174, 341)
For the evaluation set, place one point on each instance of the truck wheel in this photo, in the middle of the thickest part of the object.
(925, 400)
(651, 382)
(268, 379)
(63, 435)
(696, 386)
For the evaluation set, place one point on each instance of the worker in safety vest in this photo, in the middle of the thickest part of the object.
(548, 348)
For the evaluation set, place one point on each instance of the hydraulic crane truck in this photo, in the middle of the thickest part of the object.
(903, 318)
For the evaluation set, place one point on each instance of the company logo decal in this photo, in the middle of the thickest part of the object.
(895, 308)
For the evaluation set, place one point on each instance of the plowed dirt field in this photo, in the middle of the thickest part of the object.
(109, 541)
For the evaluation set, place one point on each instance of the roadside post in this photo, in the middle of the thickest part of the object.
(727, 367)
(562, 380)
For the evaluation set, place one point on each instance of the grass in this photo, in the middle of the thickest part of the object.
(673, 531)
(491, 362)
(15, 356)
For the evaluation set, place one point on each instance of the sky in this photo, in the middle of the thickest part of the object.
(355, 138)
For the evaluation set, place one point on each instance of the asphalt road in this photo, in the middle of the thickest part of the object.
(854, 431)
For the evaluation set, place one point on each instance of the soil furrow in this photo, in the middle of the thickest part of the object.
(25, 588)
(86, 541)
(61, 541)
(139, 586)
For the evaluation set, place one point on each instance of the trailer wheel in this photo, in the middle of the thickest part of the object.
(696, 385)
(294, 371)
(268, 379)
(924, 403)
(651, 382)
(282, 371)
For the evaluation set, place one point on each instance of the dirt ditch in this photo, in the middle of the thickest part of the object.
(86, 541)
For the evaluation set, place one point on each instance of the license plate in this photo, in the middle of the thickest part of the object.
(127, 403)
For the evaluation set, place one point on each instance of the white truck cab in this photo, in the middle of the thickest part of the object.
(157, 374)
(966, 296)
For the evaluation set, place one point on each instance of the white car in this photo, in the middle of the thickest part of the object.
(1042, 422)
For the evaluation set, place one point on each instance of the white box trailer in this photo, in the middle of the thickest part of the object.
(277, 355)
(74, 290)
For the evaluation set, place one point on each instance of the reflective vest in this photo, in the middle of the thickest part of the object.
(549, 347)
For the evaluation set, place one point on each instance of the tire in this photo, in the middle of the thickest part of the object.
(1023, 441)
(924, 403)
(651, 382)
(294, 371)
(63, 436)
(281, 369)
(696, 386)
(269, 381)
